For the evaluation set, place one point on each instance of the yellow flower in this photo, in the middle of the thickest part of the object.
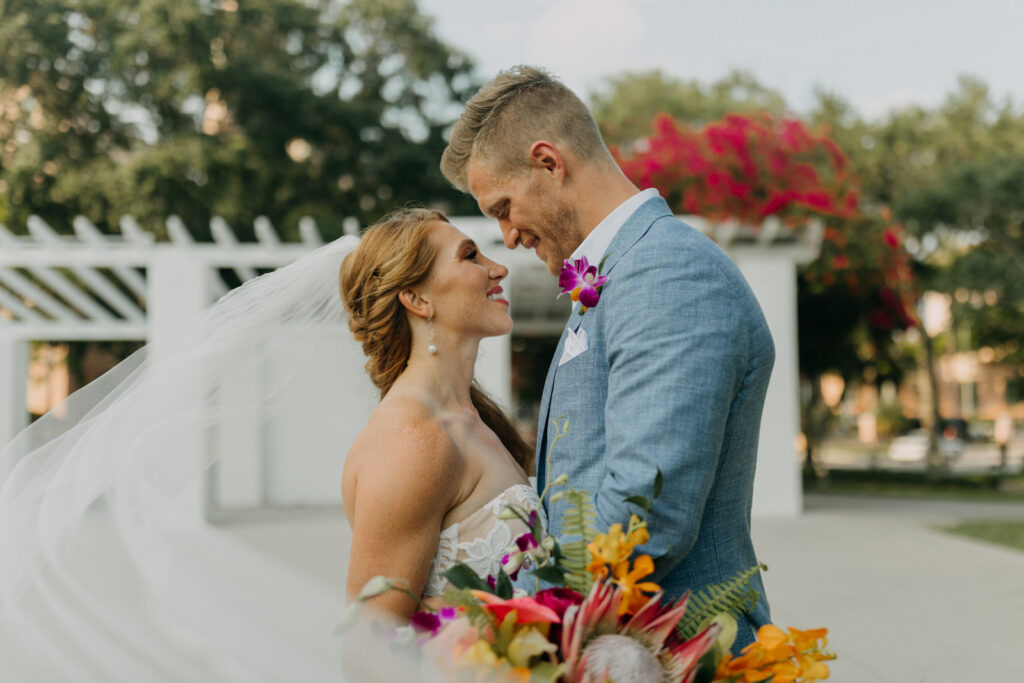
(480, 653)
(615, 547)
(633, 589)
(526, 644)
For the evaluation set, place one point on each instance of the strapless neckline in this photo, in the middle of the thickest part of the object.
(489, 504)
(481, 539)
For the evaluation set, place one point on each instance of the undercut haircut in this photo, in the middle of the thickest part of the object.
(518, 107)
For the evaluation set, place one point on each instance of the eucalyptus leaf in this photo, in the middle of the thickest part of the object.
(640, 501)
(550, 573)
(503, 587)
(462, 576)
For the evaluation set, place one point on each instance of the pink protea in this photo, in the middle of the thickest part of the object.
(597, 615)
(596, 644)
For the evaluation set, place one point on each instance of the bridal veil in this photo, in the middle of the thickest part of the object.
(109, 567)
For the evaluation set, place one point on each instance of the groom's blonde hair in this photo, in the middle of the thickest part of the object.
(503, 120)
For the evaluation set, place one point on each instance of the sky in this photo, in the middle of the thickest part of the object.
(877, 54)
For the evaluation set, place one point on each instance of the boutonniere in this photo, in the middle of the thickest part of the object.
(582, 281)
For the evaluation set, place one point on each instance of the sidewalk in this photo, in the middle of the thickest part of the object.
(903, 601)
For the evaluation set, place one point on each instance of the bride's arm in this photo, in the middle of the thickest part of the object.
(407, 479)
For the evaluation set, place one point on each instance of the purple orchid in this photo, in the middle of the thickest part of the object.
(431, 622)
(512, 563)
(526, 541)
(581, 280)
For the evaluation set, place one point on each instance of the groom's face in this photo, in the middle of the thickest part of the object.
(530, 210)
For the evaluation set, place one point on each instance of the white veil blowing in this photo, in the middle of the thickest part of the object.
(109, 569)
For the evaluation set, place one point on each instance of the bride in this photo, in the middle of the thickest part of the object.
(426, 479)
(108, 570)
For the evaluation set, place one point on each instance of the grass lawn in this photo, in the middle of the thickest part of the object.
(1007, 533)
(918, 485)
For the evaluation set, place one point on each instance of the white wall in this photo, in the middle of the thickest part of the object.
(778, 491)
(14, 357)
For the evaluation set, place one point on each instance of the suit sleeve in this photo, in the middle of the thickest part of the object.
(676, 350)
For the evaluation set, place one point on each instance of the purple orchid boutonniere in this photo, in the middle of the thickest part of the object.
(582, 282)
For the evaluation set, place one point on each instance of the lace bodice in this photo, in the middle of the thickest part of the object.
(480, 540)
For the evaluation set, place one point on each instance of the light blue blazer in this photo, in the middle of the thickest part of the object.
(673, 378)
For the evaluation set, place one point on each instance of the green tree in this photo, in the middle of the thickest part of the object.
(281, 108)
(627, 103)
(974, 214)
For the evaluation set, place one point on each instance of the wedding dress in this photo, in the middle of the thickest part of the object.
(480, 540)
(109, 568)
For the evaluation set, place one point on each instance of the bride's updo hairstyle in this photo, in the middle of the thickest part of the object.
(393, 255)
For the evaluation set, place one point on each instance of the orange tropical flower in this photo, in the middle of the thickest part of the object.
(793, 657)
(615, 547)
(633, 589)
(808, 640)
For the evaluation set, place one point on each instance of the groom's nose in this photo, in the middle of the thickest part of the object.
(508, 233)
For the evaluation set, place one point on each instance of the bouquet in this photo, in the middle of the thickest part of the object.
(601, 618)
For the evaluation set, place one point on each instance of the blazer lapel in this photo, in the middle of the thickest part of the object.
(545, 408)
(635, 227)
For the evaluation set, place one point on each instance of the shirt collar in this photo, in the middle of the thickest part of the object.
(597, 242)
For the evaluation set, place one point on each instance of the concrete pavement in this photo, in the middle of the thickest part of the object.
(904, 602)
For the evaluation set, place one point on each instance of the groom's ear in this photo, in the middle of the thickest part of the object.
(414, 302)
(546, 156)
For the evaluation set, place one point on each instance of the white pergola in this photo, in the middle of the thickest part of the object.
(92, 286)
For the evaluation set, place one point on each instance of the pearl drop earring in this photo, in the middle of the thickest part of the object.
(432, 349)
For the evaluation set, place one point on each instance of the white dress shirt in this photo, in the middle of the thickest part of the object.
(596, 243)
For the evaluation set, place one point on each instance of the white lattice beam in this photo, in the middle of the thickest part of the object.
(21, 285)
(223, 236)
(177, 231)
(100, 286)
(265, 232)
(80, 331)
(309, 233)
(131, 231)
(89, 233)
(16, 306)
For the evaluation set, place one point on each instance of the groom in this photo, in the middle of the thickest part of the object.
(666, 371)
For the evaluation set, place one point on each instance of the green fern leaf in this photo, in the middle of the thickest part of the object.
(735, 595)
(578, 525)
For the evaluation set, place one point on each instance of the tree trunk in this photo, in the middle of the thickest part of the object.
(935, 433)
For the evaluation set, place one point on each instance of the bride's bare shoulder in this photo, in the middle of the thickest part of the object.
(404, 439)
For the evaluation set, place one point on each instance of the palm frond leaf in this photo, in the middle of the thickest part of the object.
(735, 595)
(578, 531)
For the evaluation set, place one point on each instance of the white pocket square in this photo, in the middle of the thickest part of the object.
(575, 344)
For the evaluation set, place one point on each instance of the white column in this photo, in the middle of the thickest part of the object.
(238, 472)
(178, 285)
(778, 491)
(14, 357)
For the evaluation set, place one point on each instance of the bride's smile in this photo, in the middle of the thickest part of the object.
(463, 288)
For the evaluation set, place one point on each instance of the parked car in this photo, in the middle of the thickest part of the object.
(913, 446)
(910, 447)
